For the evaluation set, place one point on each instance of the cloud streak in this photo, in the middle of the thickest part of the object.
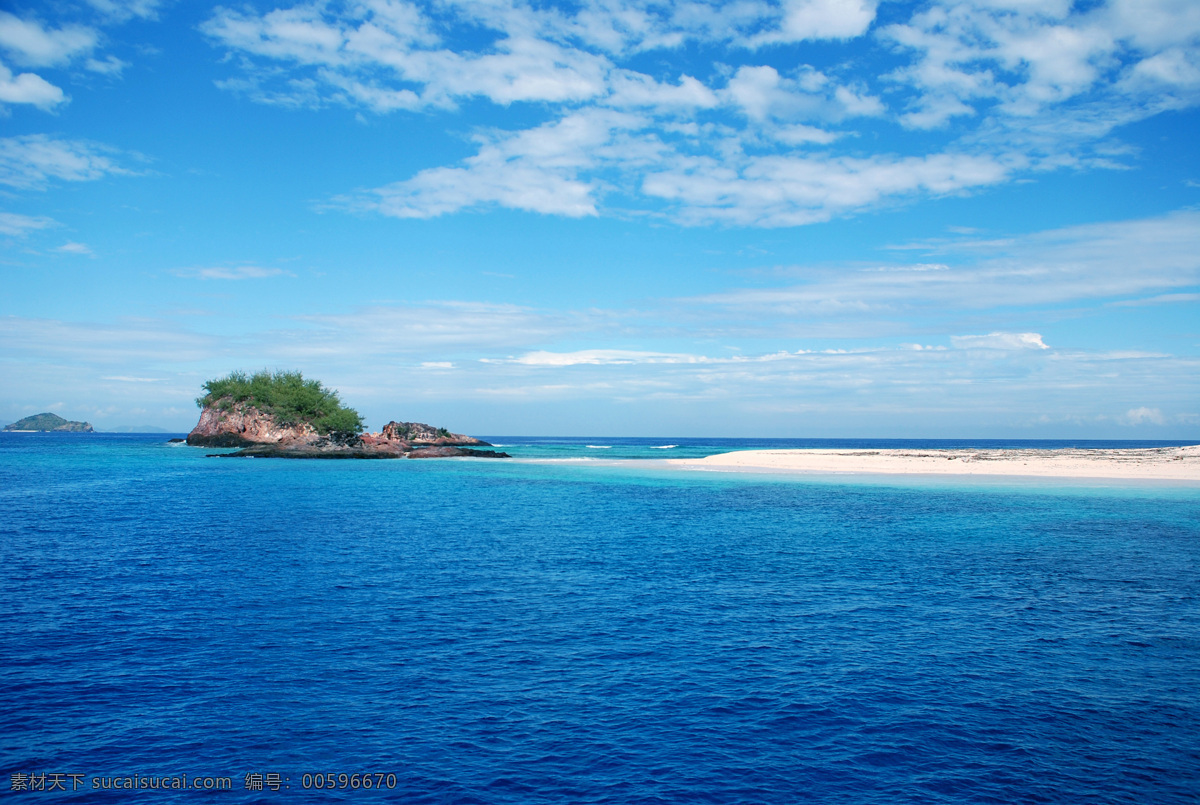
(16, 225)
(1073, 264)
(231, 273)
(33, 161)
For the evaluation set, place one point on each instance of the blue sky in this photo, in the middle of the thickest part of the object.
(610, 217)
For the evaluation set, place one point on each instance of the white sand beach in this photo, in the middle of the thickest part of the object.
(1162, 463)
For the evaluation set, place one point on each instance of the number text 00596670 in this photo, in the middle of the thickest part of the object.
(343, 781)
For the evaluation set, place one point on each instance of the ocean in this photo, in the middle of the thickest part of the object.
(587, 628)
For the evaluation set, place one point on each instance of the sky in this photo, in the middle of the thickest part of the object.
(808, 218)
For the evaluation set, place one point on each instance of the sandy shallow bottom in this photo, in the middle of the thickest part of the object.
(1163, 463)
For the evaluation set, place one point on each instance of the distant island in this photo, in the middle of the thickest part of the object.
(283, 415)
(50, 422)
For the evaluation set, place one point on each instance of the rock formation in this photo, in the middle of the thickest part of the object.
(244, 425)
(417, 433)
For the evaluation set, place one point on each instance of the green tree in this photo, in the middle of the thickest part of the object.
(286, 396)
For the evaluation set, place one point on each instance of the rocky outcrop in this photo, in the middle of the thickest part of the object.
(261, 436)
(417, 433)
(241, 425)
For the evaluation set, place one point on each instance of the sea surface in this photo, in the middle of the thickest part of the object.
(581, 630)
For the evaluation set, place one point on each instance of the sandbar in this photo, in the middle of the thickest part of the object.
(1151, 464)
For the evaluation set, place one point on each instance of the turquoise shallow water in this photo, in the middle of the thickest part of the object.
(490, 631)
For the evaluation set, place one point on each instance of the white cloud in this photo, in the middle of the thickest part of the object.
(19, 225)
(110, 65)
(488, 178)
(1017, 63)
(1153, 24)
(374, 44)
(631, 89)
(30, 43)
(1001, 341)
(479, 354)
(433, 331)
(1018, 86)
(762, 93)
(985, 389)
(29, 88)
(31, 161)
(633, 357)
(121, 10)
(821, 19)
(1071, 264)
(794, 190)
(1160, 299)
(232, 272)
(75, 344)
(800, 134)
(536, 170)
(74, 248)
(602, 357)
(1144, 416)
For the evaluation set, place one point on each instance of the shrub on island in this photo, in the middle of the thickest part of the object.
(285, 396)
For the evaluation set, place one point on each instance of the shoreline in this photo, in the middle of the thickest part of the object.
(1150, 464)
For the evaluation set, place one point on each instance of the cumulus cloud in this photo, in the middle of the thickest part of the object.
(536, 170)
(29, 88)
(360, 52)
(820, 19)
(560, 168)
(32, 44)
(1017, 87)
(1001, 341)
(1144, 416)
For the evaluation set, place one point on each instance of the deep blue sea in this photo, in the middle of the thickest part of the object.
(575, 631)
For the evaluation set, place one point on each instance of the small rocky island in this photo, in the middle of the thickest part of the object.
(282, 415)
(49, 423)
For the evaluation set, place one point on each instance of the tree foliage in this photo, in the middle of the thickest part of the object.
(287, 396)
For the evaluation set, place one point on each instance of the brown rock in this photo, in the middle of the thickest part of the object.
(418, 433)
(242, 425)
